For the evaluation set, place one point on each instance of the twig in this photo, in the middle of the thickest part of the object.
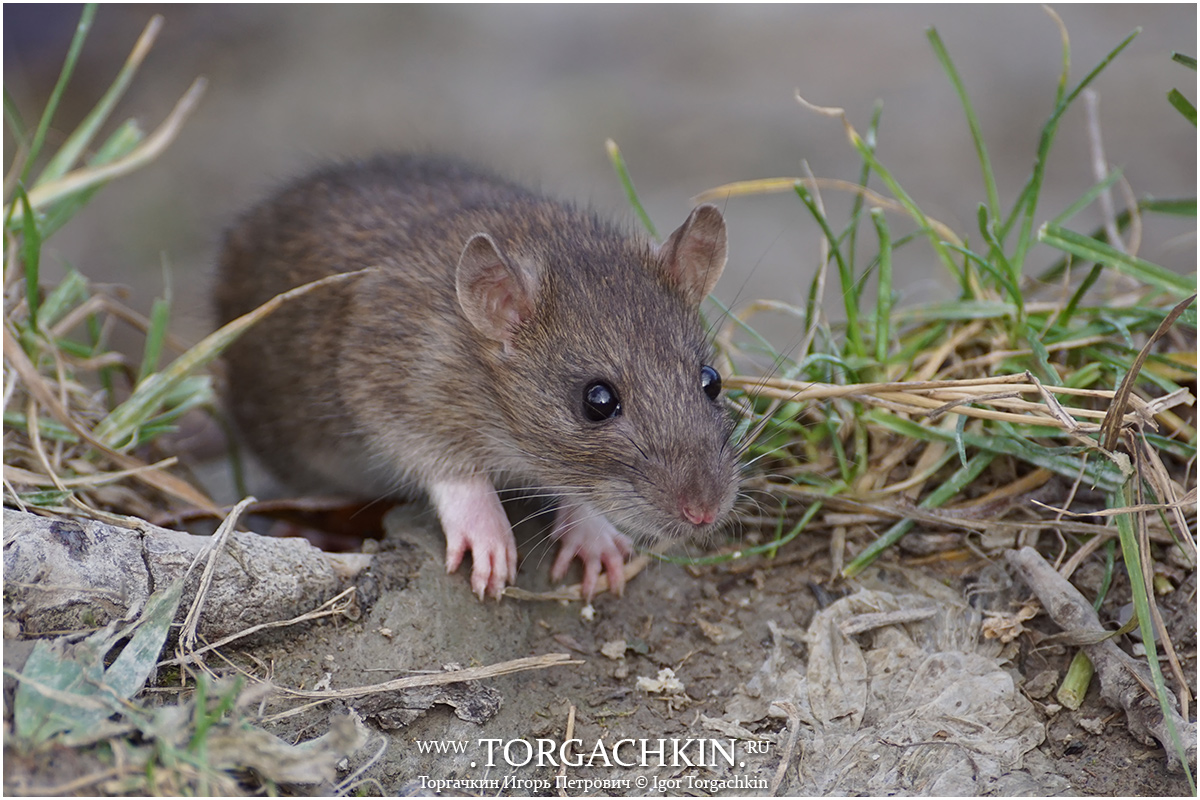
(326, 609)
(343, 788)
(1091, 104)
(24, 476)
(441, 678)
(1160, 627)
(187, 637)
(793, 714)
(769, 185)
(1123, 681)
(1110, 429)
(562, 770)
(73, 786)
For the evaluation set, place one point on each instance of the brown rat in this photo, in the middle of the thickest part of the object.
(502, 339)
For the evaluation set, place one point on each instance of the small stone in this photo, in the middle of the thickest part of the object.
(614, 649)
(665, 683)
(1042, 684)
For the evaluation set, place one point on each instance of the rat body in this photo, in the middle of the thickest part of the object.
(501, 339)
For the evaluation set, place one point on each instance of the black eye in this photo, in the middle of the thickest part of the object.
(710, 381)
(600, 402)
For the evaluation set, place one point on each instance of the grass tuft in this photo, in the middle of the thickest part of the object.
(55, 340)
(1009, 413)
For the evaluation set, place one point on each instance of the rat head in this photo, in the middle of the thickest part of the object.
(602, 368)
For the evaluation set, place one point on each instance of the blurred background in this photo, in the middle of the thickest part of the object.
(696, 96)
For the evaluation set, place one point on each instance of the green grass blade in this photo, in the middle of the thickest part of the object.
(48, 698)
(618, 162)
(1088, 198)
(81, 138)
(884, 299)
(1131, 555)
(741, 325)
(47, 193)
(1029, 196)
(1182, 105)
(84, 692)
(69, 293)
(960, 446)
(1090, 249)
(1178, 207)
(864, 175)
(850, 288)
(58, 686)
(1110, 562)
(205, 718)
(194, 391)
(1040, 355)
(47, 498)
(120, 144)
(1187, 61)
(954, 310)
(1032, 186)
(1065, 317)
(1184, 451)
(1100, 234)
(1002, 268)
(16, 125)
(47, 428)
(31, 251)
(1065, 461)
(961, 478)
(911, 208)
(160, 314)
(985, 163)
(1001, 275)
(64, 77)
(131, 669)
(768, 548)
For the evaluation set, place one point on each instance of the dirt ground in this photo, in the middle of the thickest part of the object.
(735, 637)
(712, 627)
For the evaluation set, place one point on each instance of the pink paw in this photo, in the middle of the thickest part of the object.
(585, 534)
(473, 519)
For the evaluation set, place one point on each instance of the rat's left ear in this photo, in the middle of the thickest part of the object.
(496, 295)
(694, 255)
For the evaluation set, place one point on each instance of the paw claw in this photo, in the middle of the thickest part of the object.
(615, 569)
(584, 534)
(561, 563)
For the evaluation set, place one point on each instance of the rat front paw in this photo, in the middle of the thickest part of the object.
(493, 559)
(473, 519)
(584, 533)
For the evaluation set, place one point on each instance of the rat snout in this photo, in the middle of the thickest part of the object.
(698, 512)
(704, 499)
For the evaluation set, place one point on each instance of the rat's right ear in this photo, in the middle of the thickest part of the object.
(496, 295)
(693, 257)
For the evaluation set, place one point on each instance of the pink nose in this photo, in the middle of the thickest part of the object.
(697, 514)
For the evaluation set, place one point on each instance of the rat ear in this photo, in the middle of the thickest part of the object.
(497, 297)
(694, 255)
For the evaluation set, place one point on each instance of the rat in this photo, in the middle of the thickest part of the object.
(497, 339)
